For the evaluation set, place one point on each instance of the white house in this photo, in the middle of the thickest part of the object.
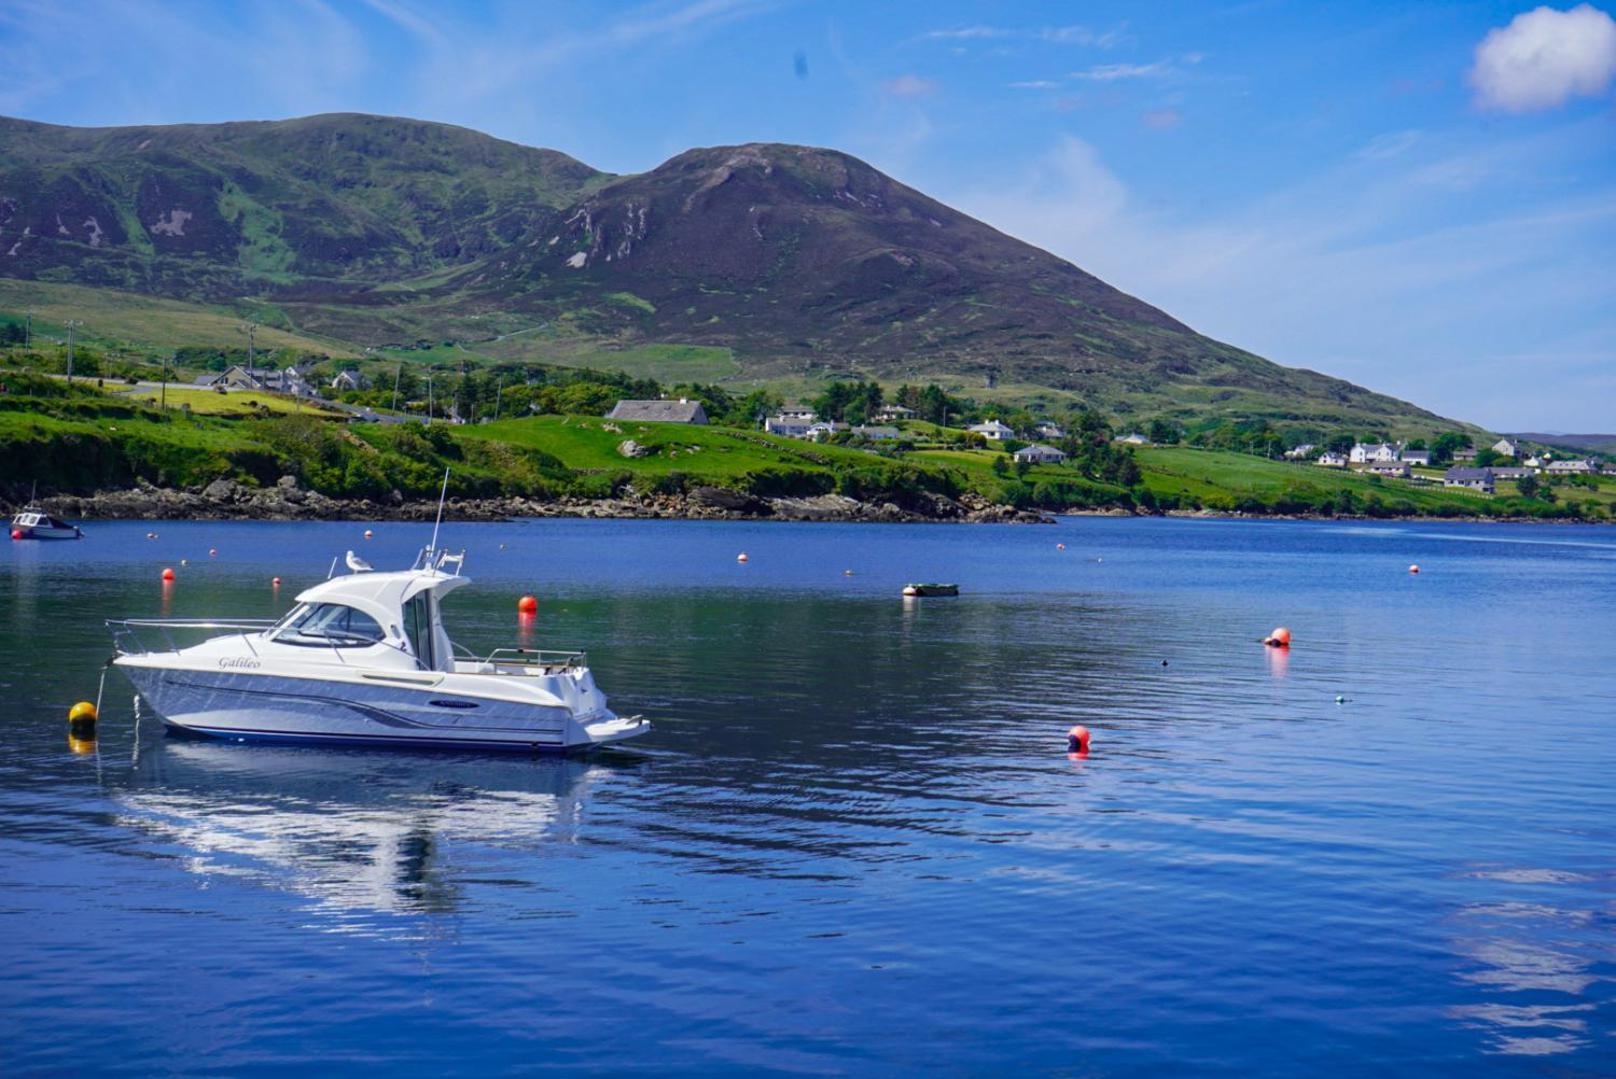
(1039, 454)
(797, 412)
(1364, 452)
(1048, 429)
(1296, 453)
(1477, 479)
(1331, 459)
(894, 412)
(788, 426)
(824, 429)
(1572, 468)
(1417, 457)
(1388, 468)
(1505, 448)
(350, 380)
(1134, 438)
(993, 431)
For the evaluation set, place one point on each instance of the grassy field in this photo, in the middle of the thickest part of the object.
(236, 403)
(1211, 476)
(117, 317)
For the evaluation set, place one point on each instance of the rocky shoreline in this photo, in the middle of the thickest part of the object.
(227, 500)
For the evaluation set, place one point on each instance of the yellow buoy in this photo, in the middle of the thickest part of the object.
(83, 711)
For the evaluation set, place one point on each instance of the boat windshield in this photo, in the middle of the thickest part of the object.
(329, 625)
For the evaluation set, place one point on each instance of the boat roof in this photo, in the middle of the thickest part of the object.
(386, 592)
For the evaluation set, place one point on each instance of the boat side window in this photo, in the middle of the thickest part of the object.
(328, 625)
(418, 627)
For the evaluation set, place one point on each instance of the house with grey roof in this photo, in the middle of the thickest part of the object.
(1571, 467)
(1466, 454)
(1511, 472)
(1331, 459)
(993, 431)
(1039, 454)
(1417, 457)
(788, 426)
(1505, 447)
(680, 411)
(1476, 479)
(877, 433)
(1398, 469)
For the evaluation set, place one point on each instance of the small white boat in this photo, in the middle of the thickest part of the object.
(32, 522)
(364, 659)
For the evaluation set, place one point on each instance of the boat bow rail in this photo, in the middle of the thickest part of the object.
(127, 639)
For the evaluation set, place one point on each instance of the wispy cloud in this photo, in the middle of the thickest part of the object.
(909, 86)
(1036, 84)
(1389, 145)
(1055, 35)
(1162, 119)
(1116, 72)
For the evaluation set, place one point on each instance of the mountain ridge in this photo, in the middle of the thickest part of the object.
(802, 262)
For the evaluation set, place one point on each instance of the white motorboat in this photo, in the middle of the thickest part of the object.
(364, 658)
(32, 522)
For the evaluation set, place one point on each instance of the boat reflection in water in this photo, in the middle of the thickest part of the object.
(354, 830)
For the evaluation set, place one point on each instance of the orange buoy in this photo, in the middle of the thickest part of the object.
(1077, 739)
(1280, 638)
(168, 575)
(527, 605)
(1415, 568)
(742, 557)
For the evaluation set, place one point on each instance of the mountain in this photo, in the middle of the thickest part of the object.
(1586, 443)
(800, 262)
(214, 210)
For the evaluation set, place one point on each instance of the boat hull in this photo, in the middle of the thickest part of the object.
(246, 706)
(44, 532)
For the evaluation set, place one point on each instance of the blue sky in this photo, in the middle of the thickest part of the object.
(1420, 198)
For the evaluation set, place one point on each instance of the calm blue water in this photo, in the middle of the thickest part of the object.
(854, 842)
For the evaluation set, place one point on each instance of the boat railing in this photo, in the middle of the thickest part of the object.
(535, 657)
(127, 639)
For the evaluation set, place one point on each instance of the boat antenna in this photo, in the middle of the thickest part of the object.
(441, 496)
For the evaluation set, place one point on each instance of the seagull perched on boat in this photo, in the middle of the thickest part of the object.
(357, 564)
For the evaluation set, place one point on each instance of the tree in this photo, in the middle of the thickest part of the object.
(1000, 467)
(1163, 432)
(1445, 444)
(1528, 486)
(1486, 457)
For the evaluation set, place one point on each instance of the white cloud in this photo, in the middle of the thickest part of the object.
(1114, 72)
(1543, 58)
(1055, 35)
(1036, 84)
(1388, 145)
(910, 86)
(1162, 119)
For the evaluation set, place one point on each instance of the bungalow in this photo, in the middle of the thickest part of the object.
(1364, 452)
(993, 431)
(1505, 448)
(1039, 454)
(680, 411)
(1466, 454)
(1047, 429)
(797, 412)
(1417, 457)
(1573, 468)
(1536, 461)
(290, 381)
(1296, 453)
(824, 429)
(1134, 438)
(894, 412)
(788, 426)
(234, 377)
(1388, 468)
(1331, 459)
(1477, 479)
(350, 380)
(1512, 472)
(877, 433)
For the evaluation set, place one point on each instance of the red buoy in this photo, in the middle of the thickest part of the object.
(168, 575)
(16, 533)
(369, 533)
(742, 557)
(1280, 638)
(527, 605)
(1077, 739)
(1415, 568)
(1060, 546)
(275, 582)
(213, 552)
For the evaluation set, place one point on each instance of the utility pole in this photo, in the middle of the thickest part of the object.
(28, 330)
(250, 328)
(72, 324)
(499, 397)
(172, 358)
(429, 400)
(396, 376)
